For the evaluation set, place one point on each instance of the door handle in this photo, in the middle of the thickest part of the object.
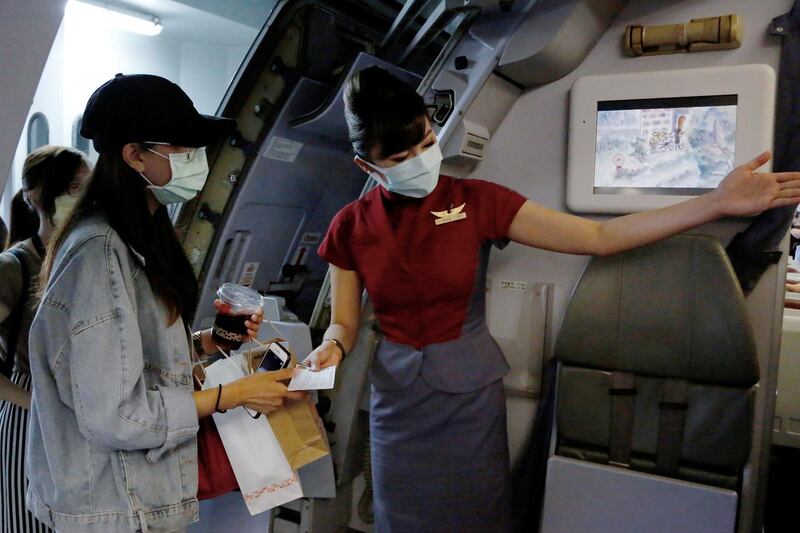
(233, 256)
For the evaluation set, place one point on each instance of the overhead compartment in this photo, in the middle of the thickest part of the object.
(555, 38)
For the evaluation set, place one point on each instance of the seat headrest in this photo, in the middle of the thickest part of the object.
(672, 309)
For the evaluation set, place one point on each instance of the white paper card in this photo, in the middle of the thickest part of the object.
(305, 379)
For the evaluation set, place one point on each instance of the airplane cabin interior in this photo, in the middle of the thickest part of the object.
(655, 390)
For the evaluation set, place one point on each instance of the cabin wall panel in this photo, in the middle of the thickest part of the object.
(28, 29)
(82, 57)
(528, 153)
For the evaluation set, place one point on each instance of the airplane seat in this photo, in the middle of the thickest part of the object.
(655, 395)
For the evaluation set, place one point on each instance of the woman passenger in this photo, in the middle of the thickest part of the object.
(114, 417)
(52, 178)
(420, 245)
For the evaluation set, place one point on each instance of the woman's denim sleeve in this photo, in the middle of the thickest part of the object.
(113, 406)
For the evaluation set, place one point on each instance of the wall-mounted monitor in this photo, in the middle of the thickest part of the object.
(649, 139)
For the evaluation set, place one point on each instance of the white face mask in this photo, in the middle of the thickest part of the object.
(64, 205)
(416, 177)
(189, 174)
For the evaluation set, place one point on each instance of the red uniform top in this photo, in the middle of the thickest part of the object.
(420, 275)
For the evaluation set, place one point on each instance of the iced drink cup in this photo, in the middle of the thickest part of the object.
(238, 303)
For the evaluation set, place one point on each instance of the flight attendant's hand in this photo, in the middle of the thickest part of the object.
(327, 354)
(747, 192)
(253, 325)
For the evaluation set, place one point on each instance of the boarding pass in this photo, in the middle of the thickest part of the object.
(306, 379)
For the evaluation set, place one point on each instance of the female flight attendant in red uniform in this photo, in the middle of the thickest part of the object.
(420, 244)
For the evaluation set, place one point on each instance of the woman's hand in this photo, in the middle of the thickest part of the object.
(262, 392)
(747, 192)
(25, 400)
(253, 325)
(11, 392)
(327, 354)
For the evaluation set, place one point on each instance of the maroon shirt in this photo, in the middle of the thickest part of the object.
(420, 275)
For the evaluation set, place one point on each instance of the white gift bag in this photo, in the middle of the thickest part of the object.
(264, 475)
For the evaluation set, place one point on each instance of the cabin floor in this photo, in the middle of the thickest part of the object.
(780, 513)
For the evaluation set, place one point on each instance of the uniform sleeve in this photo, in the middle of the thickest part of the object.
(10, 284)
(113, 405)
(498, 207)
(335, 247)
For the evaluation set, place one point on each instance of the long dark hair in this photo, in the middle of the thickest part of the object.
(50, 171)
(117, 192)
(383, 112)
(23, 221)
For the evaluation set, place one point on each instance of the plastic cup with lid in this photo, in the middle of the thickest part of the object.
(238, 303)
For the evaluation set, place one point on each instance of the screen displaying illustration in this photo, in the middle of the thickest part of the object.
(665, 145)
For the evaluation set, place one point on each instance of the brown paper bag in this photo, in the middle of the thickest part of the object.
(300, 432)
(297, 425)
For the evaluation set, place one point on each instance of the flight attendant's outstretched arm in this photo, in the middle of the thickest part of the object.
(743, 192)
(345, 317)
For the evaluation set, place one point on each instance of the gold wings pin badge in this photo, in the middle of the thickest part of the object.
(451, 215)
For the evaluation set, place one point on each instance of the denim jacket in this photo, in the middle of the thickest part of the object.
(112, 438)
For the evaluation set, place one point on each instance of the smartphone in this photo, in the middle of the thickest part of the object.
(275, 358)
(199, 374)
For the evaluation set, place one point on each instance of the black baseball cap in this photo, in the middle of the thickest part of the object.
(143, 107)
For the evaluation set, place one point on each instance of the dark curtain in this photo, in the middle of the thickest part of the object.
(754, 249)
(529, 476)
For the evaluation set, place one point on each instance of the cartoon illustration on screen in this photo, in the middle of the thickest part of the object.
(686, 147)
(619, 162)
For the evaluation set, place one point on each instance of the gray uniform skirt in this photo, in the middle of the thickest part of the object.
(440, 460)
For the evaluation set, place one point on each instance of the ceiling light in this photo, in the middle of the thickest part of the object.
(106, 15)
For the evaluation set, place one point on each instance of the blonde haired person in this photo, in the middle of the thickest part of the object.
(52, 179)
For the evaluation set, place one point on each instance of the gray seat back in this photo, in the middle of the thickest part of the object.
(666, 313)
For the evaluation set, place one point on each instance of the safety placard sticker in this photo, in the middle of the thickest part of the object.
(282, 149)
(311, 238)
(513, 285)
(248, 274)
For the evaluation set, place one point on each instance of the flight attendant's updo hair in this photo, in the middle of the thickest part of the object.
(382, 112)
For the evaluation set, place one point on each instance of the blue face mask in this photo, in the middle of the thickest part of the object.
(189, 174)
(416, 177)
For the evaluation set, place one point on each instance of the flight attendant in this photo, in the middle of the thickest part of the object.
(420, 245)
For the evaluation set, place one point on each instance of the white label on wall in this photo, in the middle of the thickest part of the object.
(282, 149)
(310, 238)
(513, 285)
(248, 274)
